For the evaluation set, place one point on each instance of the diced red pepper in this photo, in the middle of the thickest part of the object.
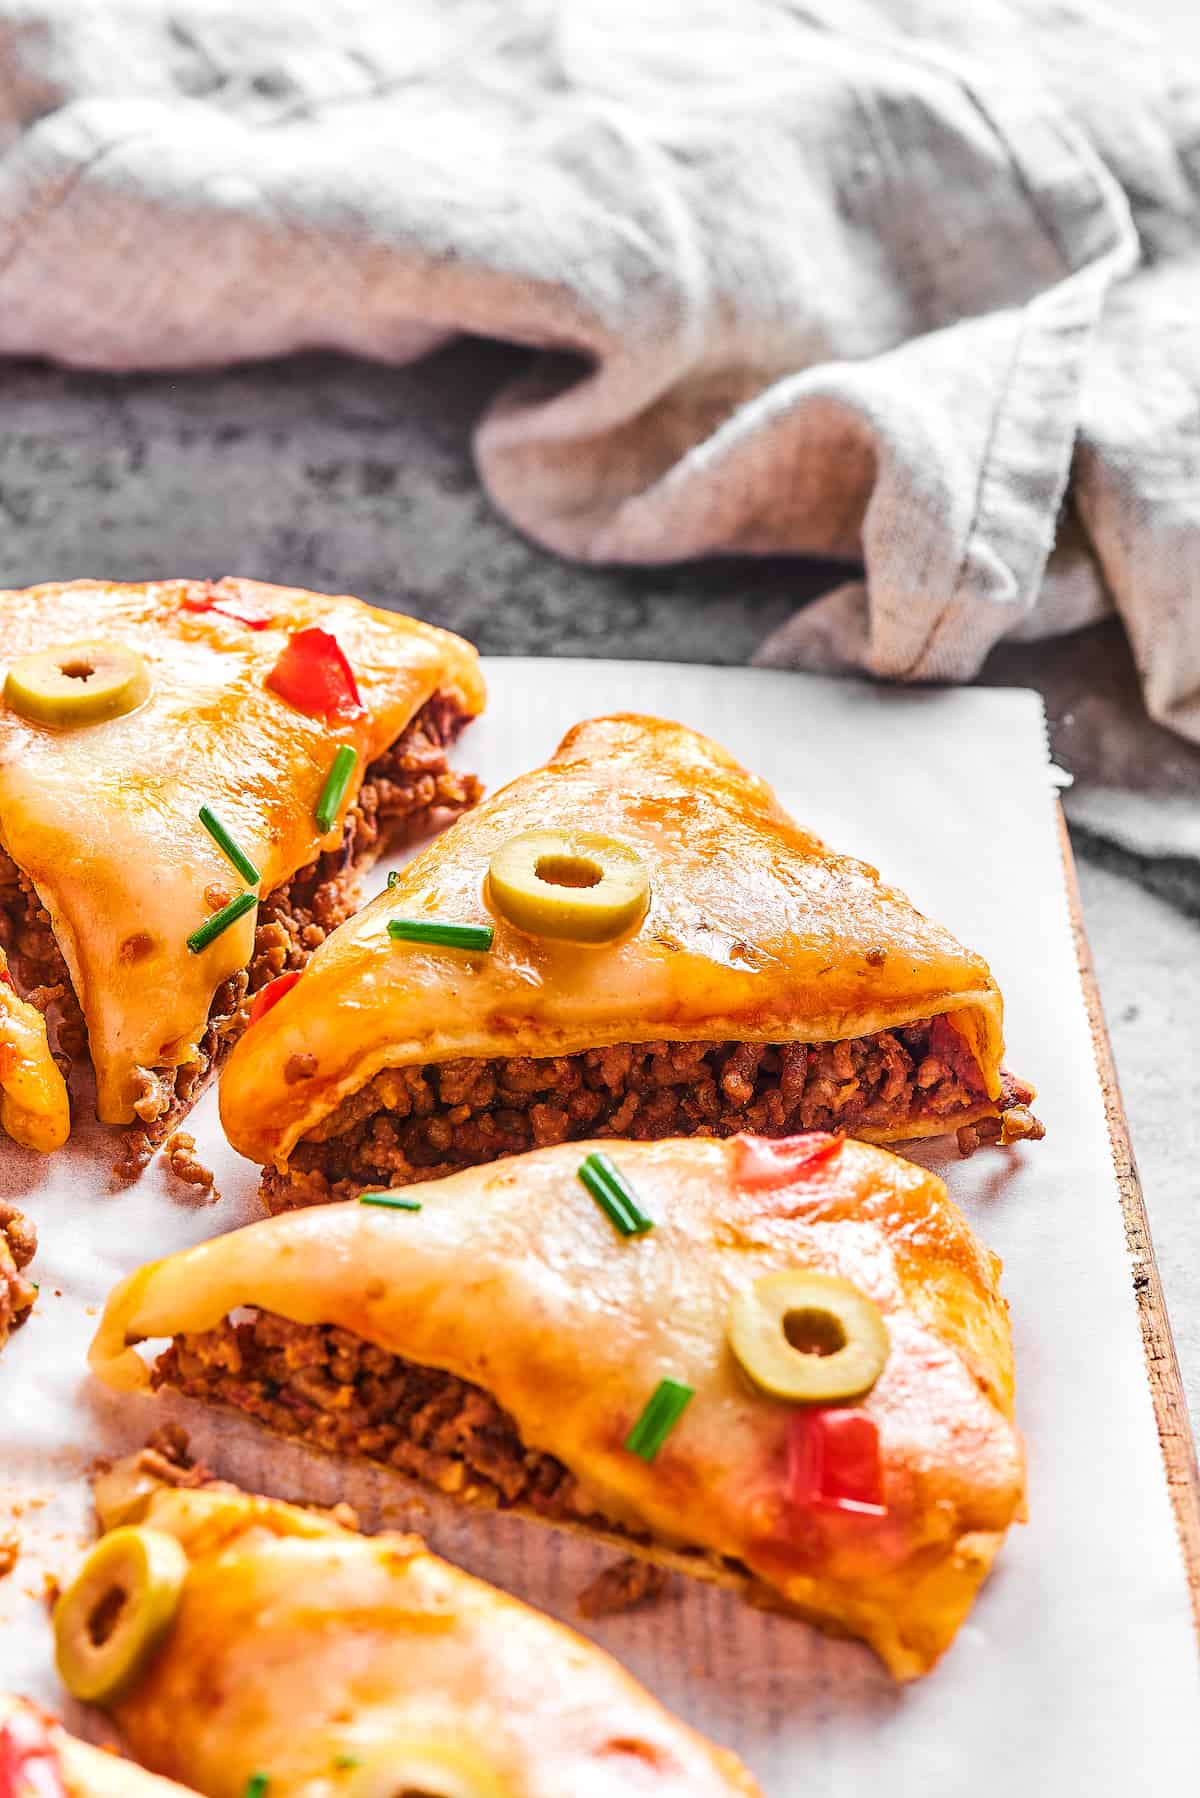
(270, 995)
(243, 611)
(312, 674)
(6, 978)
(834, 1460)
(29, 1766)
(760, 1163)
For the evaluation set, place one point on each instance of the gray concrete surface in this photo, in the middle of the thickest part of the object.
(332, 474)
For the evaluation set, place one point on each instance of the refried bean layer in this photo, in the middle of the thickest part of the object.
(419, 1123)
(406, 792)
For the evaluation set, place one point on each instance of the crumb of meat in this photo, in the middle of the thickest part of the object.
(180, 1152)
(18, 1245)
(347, 1396)
(622, 1586)
(299, 1067)
(167, 1458)
(1015, 1124)
(10, 1551)
(418, 1123)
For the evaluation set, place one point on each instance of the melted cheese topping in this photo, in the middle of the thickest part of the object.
(34, 1107)
(755, 932)
(104, 818)
(298, 1640)
(512, 1278)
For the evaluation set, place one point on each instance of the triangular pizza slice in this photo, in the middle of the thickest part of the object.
(785, 1366)
(634, 940)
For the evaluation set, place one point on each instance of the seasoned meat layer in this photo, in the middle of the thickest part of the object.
(342, 1394)
(422, 1122)
(18, 1245)
(405, 792)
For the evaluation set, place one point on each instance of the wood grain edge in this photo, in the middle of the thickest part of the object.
(1162, 1364)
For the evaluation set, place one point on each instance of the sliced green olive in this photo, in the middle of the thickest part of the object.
(575, 884)
(111, 1619)
(79, 683)
(420, 1765)
(808, 1337)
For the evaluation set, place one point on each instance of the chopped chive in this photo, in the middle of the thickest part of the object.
(212, 927)
(225, 842)
(334, 790)
(393, 878)
(614, 1195)
(450, 936)
(662, 1413)
(389, 1200)
(346, 1760)
(256, 1785)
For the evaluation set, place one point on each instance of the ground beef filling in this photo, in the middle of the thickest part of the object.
(346, 1396)
(419, 1123)
(406, 792)
(18, 1245)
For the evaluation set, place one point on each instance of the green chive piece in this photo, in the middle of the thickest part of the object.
(346, 1760)
(226, 844)
(393, 879)
(666, 1407)
(212, 927)
(450, 936)
(256, 1785)
(334, 790)
(614, 1195)
(389, 1200)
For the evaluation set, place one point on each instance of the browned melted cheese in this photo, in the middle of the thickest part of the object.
(510, 1277)
(756, 931)
(104, 818)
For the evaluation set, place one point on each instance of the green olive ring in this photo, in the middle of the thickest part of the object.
(77, 683)
(112, 1617)
(811, 1338)
(432, 1765)
(577, 885)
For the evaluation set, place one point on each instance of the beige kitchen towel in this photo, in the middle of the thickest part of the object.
(904, 281)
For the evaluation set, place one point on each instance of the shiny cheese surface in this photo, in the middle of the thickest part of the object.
(755, 931)
(89, 1772)
(298, 1640)
(103, 818)
(511, 1277)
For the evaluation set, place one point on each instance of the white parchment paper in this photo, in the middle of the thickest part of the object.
(1076, 1673)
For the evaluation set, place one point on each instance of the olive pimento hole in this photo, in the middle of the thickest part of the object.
(104, 1617)
(568, 871)
(76, 670)
(813, 1332)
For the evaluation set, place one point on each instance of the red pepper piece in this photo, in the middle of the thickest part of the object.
(243, 611)
(761, 1163)
(312, 674)
(6, 978)
(269, 996)
(29, 1766)
(834, 1460)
